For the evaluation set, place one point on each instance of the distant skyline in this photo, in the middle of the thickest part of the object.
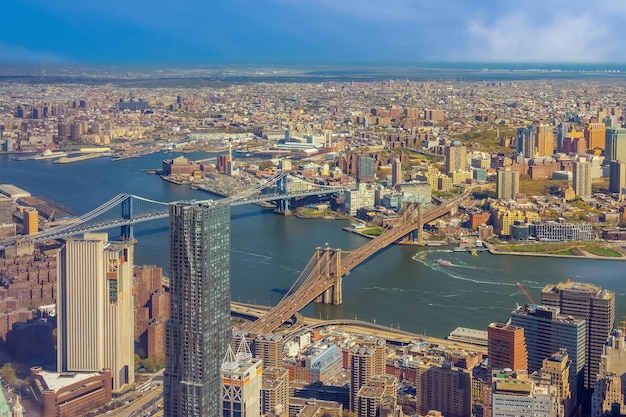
(312, 32)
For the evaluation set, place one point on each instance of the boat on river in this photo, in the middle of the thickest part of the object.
(443, 262)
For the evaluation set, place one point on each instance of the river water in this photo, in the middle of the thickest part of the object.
(400, 287)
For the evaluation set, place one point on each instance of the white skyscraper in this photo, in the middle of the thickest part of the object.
(582, 178)
(95, 308)
(242, 380)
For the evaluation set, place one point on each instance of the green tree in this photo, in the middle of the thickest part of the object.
(137, 362)
(8, 373)
(159, 361)
(148, 363)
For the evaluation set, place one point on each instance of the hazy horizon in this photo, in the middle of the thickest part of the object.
(281, 32)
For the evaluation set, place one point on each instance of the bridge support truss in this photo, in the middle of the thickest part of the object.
(328, 266)
(282, 206)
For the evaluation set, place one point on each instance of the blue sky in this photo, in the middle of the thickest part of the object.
(312, 31)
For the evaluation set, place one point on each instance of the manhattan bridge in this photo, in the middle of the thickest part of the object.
(320, 280)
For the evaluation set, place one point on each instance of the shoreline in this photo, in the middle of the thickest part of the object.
(494, 251)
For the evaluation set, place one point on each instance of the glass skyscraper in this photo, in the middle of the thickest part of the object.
(199, 330)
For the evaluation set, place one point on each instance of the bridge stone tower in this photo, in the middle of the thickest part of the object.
(328, 266)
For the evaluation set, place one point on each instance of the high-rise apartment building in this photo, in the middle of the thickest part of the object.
(242, 380)
(269, 348)
(151, 311)
(30, 221)
(456, 157)
(6, 210)
(363, 368)
(546, 331)
(507, 183)
(545, 140)
(97, 332)
(379, 397)
(609, 390)
(581, 176)
(561, 132)
(615, 145)
(526, 141)
(617, 176)
(396, 172)
(275, 391)
(365, 168)
(591, 303)
(506, 347)
(595, 134)
(443, 387)
(199, 330)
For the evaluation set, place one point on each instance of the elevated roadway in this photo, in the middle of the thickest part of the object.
(323, 274)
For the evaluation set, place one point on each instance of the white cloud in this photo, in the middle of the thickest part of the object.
(554, 33)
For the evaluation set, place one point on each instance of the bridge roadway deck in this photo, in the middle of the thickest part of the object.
(357, 327)
(315, 283)
(82, 224)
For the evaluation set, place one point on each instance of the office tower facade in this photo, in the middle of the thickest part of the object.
(591, 303)
(506, 347)
(581, 176)
(275, 391)
(199, 330)
(545, 140)
(507, 183)
(396, 172)
(242, 380)
(456, 157)
(615, 145)
(617, 176)
(546, 332)
(365, 168)
(515, 394)
(30, 221)
(98, 333)
(595, 134)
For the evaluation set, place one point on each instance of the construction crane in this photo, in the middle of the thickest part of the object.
(521, 287)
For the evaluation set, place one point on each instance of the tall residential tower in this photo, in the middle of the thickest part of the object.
(198, 333)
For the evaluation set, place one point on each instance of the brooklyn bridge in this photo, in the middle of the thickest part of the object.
(321, 280)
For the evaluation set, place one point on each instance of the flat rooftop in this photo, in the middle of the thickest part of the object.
(12, 191)
(467, 335)
(582, 287)
(55, 380)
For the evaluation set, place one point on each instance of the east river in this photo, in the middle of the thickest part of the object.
(400, 287)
